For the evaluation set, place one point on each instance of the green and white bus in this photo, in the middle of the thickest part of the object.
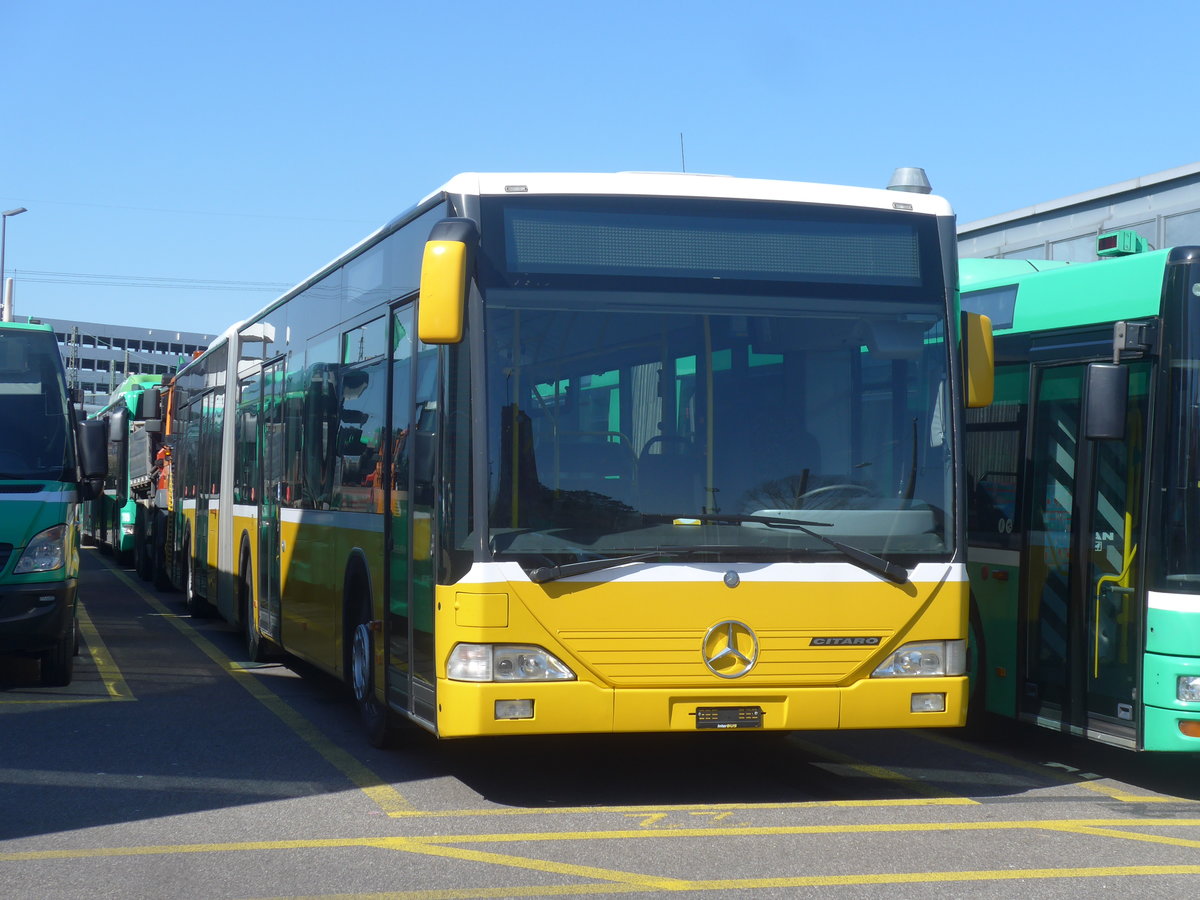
(110, 519)
(43, 476)
(1084, 518)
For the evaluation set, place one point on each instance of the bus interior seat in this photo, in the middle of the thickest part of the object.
(602, 466)
(670, 478)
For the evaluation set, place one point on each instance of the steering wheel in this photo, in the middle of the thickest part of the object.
(859, 489)
(664, 439)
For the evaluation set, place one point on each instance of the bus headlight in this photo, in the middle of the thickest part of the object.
(924, 659)
(45, 553)
(505, 662)
(1187, 688)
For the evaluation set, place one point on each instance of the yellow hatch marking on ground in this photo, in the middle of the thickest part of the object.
(614, 879)
(1128, 835)
(386, 797)
(110, 674)
(693, 808)
(110, 677)
(409, 845)
(1062, 776)
(912, 784)
(758, 883)
(1127, 797)
(1087, 827)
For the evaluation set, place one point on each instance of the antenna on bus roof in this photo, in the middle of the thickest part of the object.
(911, 179)
(682, 158)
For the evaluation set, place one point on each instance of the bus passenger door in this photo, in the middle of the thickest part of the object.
(398, 524)
(1114, 619)
(424, 528)
(1081, 627)
(273, 491)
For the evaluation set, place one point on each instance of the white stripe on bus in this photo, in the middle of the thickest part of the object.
(1188, 603)
(822, 572)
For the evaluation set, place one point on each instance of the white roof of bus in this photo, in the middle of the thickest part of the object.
(649, 184)
(681, 184)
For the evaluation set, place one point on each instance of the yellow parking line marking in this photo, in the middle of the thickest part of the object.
(654, 882)
(1081, 826)
(753, 883)
(110, 674)
(1128, 835)
(386, 797)
(1049, 770)
(695, 809)
(880, 773)
(1126, 796)
(613, 881)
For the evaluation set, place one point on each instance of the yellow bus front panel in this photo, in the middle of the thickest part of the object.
(642, 650)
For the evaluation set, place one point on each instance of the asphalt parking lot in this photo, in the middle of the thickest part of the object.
(172, 768)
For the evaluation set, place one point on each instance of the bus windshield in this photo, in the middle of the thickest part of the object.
(782, 362)
(34, 445)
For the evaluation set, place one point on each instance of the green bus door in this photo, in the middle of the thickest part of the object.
(1081, 613)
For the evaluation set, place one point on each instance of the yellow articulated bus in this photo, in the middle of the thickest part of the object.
(567, 453)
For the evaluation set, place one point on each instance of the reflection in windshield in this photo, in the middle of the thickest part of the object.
(33, 445)
(609, 427)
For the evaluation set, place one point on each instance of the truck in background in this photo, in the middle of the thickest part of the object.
(131, 416)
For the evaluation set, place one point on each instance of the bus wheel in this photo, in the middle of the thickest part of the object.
(143, 546)
(256, 647)
(980, 723)
(58, 663)
(376, 718)
(159, 574)
(197, 607)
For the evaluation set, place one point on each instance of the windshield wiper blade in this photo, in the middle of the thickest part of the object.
(893, 572)
(542, 574)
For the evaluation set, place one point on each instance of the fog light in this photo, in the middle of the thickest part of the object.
(1187, 688)
(1190, 727)
(514, 709)
(928, 703)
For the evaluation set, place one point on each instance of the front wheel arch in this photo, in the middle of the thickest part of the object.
(361, 636)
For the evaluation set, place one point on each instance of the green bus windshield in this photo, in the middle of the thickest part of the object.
(33, 393)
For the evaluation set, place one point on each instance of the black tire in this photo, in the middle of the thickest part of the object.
(257, 647)
(143, 546)
(377, 719)
(160, 576)
(981, 725)
(197, 606)
(58, 663)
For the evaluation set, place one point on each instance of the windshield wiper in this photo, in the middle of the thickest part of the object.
(894, 573)
(542, 574)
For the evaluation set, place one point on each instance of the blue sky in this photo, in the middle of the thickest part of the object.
(182, 164)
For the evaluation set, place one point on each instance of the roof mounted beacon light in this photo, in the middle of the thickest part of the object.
(910, 179)
(1124, 242)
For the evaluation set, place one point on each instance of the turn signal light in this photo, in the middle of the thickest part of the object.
(1190, 727)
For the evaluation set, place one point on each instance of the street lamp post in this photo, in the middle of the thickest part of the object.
(4, 285)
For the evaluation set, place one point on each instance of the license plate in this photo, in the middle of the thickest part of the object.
(729, 717)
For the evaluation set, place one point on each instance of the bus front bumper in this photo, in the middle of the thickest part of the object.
(471, 709)
(35, 617)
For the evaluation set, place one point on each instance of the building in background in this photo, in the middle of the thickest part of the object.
(98, 357)
(1164, 208)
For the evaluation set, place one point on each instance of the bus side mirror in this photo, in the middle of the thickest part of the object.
(979, 362)
(444, 279)
(1105, 401)
(92, 444)
(148, 404)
